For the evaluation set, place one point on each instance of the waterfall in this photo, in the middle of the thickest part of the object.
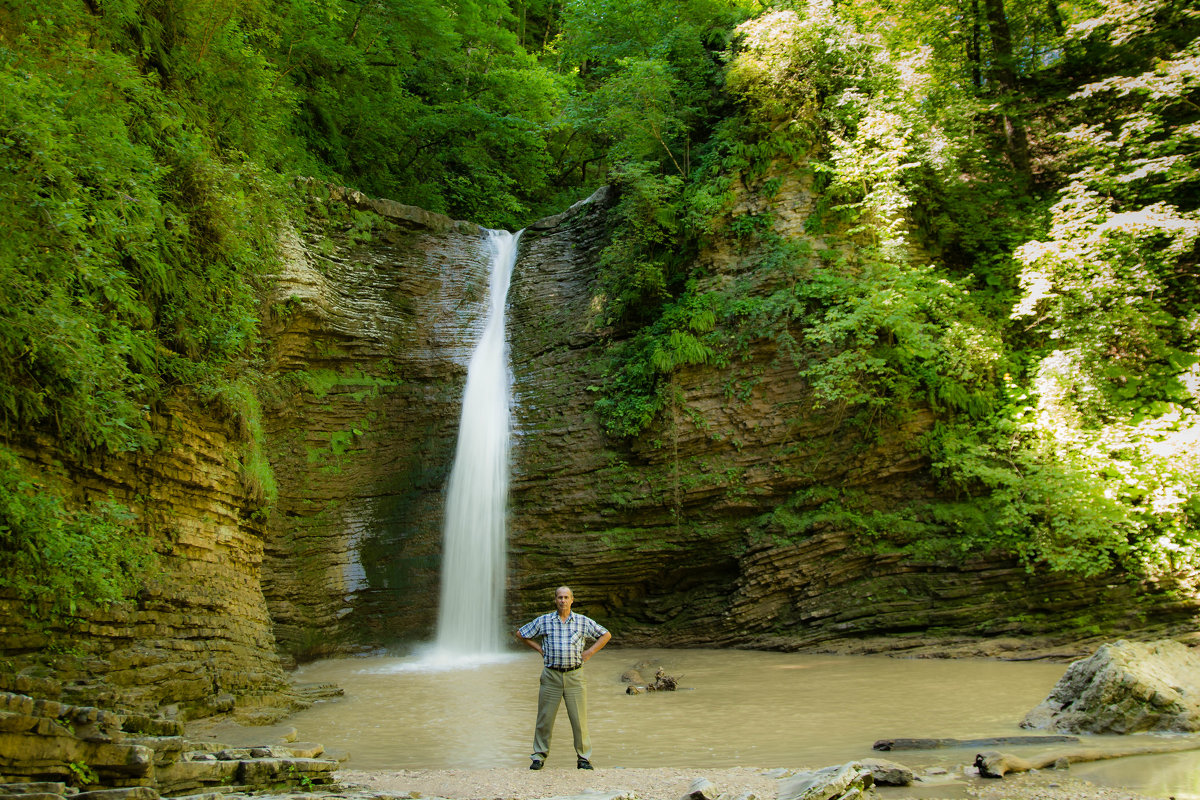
(473, 552)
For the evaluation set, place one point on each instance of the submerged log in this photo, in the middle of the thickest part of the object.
(933, 744)
(994, 764)
(662, 683)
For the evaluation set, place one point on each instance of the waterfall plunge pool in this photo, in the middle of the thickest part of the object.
(735, 708)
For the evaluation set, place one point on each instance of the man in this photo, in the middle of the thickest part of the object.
(563, 635)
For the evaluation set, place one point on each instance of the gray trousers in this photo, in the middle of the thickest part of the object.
(556, 687)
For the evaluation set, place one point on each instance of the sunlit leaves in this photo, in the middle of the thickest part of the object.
(1112, 283)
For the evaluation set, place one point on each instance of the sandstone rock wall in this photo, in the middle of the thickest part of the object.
(685, 536)
(370, 324)
(375, 314)
(46, 746)
(198, 638)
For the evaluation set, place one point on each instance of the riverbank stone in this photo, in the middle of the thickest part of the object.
(701, 789)
(888, 773)
(1125, 687)
(844, 782)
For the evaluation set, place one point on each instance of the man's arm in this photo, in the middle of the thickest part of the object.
(596, 646)
(532, 643)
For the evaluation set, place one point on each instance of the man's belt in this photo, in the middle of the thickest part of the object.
(564, 669)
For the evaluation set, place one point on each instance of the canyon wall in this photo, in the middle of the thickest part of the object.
(198, 637)
(378, 308)
(685, 536)
(682, 536)
(369, 325)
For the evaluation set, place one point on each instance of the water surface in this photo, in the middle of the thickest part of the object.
(736, 708)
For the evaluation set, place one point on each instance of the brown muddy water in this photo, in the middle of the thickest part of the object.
(735, 708)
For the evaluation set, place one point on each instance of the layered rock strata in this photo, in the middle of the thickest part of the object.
(687, 535)
(198, 637)
(690, 534)
(46, 747)
(374, 316)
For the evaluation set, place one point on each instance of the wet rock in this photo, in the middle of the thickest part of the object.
(888, 773)
(377, 307)
(850, 780)
(301, 749)
(1125, 687)
(42, 787)
(129, 767)
(994, 764)
(152, 726)
(39, 748)
(185, 777)
(739, 439)
(933, 744)
(303, 771)
(131, 793)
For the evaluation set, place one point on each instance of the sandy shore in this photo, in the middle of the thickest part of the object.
(672, 784)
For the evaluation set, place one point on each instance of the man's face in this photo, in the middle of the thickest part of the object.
(562, 600)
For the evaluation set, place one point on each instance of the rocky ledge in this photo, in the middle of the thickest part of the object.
(50, 750)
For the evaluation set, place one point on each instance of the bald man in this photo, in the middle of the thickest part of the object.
(560, 637)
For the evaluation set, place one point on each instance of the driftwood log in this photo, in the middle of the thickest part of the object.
(933, 744)
(662, 683)
(994, 764)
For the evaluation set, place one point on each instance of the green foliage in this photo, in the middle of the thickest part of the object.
(822, 508)
(132, 248)
(1114, 388)
(82, 774)
(58, 560)
(642, 261)
(435, 104)
(1081, 458)
(236, 399)
(132, 155)
(636, 385)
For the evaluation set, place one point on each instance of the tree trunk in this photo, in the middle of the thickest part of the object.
(1005, 77)
(974, 48)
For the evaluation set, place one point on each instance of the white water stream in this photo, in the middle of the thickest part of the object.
(473, 554)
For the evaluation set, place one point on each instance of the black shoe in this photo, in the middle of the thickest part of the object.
(583, 763)
(537, 764)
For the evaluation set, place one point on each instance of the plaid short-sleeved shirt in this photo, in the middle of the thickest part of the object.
(563, 642)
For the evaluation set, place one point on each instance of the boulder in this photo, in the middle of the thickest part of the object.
(701, 789)
(1125, 687)
(888, 773)
(845, 782)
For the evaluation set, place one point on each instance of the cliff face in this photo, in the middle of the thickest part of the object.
(372, 319)
(681, 537)
(198, 639)
(378, 308)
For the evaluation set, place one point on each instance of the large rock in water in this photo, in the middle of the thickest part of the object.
(844, 782)
(1125, 687)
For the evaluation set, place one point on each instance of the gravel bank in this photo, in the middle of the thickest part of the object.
(672, 784)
